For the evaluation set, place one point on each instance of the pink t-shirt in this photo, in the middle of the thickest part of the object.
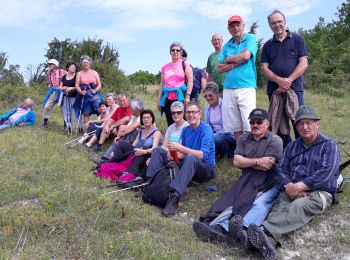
(174, 76)
(88, 77)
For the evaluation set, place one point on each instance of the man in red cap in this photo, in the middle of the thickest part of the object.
(237, 58)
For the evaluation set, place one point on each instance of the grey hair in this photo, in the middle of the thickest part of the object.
(29, 101)
(177, 104)
(136, 104)
(176, 44)
(83, 57)
(113, 95)
(211, 87)
(123, 95)
(193, 103)
(276, 11)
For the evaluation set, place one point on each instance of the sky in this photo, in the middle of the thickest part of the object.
(142, 30)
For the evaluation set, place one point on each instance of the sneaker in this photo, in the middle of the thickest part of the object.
(211, 233)
(97, 148)
(262, 242)
(171, 205)
(86, 147)
(235, 225)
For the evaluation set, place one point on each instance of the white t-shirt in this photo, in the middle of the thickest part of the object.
(174, 134)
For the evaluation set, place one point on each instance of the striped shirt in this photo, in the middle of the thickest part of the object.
(316, 166)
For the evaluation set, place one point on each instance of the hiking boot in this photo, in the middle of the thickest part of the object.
(265, 244)
(171, 205)
(211, 233)
(97, 148)
(96, 159)
(235, 225)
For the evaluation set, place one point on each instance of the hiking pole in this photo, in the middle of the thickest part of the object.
(83, 138)
(129, 188)
(79, 117)
(77, 139)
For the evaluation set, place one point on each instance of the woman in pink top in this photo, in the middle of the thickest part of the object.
(88, 85)
(176, 81)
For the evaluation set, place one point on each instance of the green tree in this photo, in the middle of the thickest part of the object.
(143, 78)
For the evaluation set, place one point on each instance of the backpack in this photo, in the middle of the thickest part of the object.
(157, 192)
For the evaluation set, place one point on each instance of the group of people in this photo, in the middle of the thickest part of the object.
(283, 184)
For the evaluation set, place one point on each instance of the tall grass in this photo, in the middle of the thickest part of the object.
(51, 205)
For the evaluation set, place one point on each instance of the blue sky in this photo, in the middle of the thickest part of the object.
(142, 30)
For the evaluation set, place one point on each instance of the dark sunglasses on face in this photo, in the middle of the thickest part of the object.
(175, 50)
(256, 122)
(175, 113)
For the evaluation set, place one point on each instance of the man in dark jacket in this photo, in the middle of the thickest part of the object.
(251, 196)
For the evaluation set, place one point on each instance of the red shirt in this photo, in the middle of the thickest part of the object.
(120, 113)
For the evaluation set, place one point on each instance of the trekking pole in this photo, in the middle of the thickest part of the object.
(77, 139)
(129, 188)
(86, 135)
(81, 108)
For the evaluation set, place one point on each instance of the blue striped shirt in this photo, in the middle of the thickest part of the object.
(316, 166)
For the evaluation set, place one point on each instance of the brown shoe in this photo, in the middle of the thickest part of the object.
(265, 244)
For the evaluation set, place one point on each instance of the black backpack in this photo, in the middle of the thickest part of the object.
(157, 192)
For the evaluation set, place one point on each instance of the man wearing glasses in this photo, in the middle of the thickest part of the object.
(307, 175)
(237, 58)
(251, 196)
(197, 154)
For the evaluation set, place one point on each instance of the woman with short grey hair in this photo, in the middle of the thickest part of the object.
(176, 81)
(224, 141)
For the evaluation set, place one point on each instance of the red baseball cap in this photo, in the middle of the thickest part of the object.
(235, 18)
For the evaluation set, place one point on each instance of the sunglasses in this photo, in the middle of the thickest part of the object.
(175, 113)
(256, 122)
(175, 50)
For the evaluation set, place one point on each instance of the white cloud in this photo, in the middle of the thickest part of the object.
(291, 7)
(127, 17)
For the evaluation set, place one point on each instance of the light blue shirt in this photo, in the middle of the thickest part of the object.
(244, 75)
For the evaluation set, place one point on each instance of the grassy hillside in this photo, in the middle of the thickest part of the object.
(51, 205)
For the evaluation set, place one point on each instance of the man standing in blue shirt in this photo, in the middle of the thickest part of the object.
(198, 160)
(308, 174)
(237, 58)
(284, 59)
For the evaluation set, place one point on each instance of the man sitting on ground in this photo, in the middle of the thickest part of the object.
(121, 116)
(22, 115)
(308, 175)
(198, 157)
(253, 193)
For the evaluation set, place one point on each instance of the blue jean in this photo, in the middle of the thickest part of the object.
(5, 125)
(225, 144)
(259, 210)
(287, 138)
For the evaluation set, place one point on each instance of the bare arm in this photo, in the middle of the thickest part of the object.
(77, 85)
(210, 77)
(224, 67)
(157, 137)
(203, 83)
(260, 164)
(283, 83)
(189, 77)
(98, 87)
(239, 58)
(299, 69)
(160, 91)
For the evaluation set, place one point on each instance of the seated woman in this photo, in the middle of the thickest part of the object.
(22, 115)
(129, 159)
(127, 132)
(172, 135)
(224, 141)
(111, 99)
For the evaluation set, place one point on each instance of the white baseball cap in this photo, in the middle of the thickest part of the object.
(54, 62)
